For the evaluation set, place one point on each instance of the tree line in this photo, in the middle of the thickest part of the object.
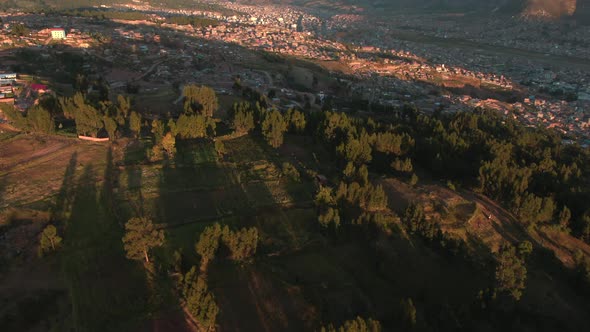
(529, 170)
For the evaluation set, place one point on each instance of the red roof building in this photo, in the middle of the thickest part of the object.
(39, 87)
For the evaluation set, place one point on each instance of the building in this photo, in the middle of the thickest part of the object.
(39, 88)
(58, 33)
(6, 89)
(8, 76)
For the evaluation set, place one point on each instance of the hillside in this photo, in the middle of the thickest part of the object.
(530, 8)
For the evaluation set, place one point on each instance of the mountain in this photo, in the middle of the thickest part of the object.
(583, 10)
(529, 8)
(550, 8)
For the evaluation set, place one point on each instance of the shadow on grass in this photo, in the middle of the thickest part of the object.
(3, 187)
(135, 154)
(197, 190)
(64, 196)
(110, 187)
(107, 291)
(194, 187)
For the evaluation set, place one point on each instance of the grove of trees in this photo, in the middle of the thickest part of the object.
(240, 244)
(511, 271)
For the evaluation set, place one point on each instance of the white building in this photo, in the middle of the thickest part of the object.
(58, 33)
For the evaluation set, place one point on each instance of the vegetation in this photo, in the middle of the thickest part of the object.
(141, 235)
(49, 240)
(408, 311)
(200, 100)
(195, 21)
(274, 128)
(328, 215)
(356, 325)
(37, 119)
(291, 172)
(243, 117)
(241, 244)
(20, 30)
(511, 271)
(200, 302)
(208, 244)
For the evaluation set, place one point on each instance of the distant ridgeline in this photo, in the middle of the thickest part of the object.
(583, 10)
(526, 8)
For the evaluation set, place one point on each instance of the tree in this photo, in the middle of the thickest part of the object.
(243, 117)
(89, 120)
(14, 116)
(291, 172)
(273, 128)
(296, 121)
(169, 144)
(40, 120)
(357, 151)
(141, 235)
(208, 244)
(219, 148)
(123, 105)
(525, 248)
(414, 179)
(416, 222)
(510, 272)
(20, 30)
(356, 325)
(177, 260)
(564, 217)
(329, 216)
(243, 122)
(156, 154)
(241, 243)
(200, 301)
(49, 240)
(535, 209)
(403, 166)
(111, 127)
(392, 144)
(408, 311)
(200, 99)
(327, 212)
(158, 131)
(135, 123)
(195, 126)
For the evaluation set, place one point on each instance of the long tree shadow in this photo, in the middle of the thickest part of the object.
(110, 187)
(194, 187)
(3, 186)
(135, 154)
(107, 291)
(65, 195)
